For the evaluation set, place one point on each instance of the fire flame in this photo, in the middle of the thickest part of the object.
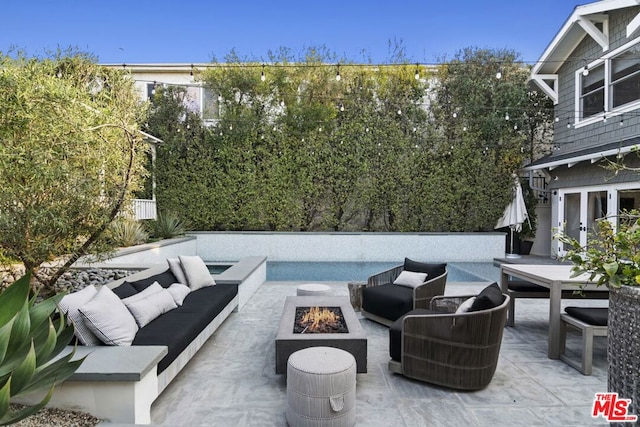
(317, 316)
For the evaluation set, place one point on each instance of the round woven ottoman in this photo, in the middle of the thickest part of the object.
(313, 289)
(321, 388)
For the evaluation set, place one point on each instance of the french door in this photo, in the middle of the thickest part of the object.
(580, 208)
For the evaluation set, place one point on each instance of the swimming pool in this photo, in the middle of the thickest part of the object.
(360, 271)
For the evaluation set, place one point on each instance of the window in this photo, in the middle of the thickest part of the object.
(625, 77)
(210, 108)
(592, 92)
(611, 87)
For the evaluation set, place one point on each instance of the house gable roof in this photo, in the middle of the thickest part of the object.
(582, 22)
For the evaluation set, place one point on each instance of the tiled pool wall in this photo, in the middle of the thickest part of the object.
(329, 256)
(360, 271)
(351, 247)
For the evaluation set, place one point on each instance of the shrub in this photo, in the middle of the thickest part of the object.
(168, 225)
(31, 336)
(127, 232)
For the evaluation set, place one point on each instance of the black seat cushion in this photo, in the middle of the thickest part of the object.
(488, 298)
(165, 279)
(524, 286)
(388, 301)
(596, 316)
(432, 270)
(395, 333)
(177, 328)
(125, 290)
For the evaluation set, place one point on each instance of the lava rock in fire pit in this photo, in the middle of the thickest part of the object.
(319, 320)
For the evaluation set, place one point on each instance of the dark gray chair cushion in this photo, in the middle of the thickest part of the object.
(489, 297)
(432, 269)
(596, 316)
(387, 301)
(395, 333)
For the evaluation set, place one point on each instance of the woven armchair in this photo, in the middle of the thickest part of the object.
(387, 302)
(458, 351)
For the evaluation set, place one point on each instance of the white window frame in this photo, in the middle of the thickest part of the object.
(609, 112)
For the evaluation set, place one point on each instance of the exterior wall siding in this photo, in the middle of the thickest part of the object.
(599, 133)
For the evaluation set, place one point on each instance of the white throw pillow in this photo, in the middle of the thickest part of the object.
(70, 304)
(466, 305)
(179, 292)
(410, 279)
(108, 318)
(144, 310)
(176, 268)
(154, 288)
(196, 271)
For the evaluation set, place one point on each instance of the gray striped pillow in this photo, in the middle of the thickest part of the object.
(108, 318)
(70, 304)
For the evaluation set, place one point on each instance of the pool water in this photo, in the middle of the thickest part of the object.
(360, 271)
(217, 268)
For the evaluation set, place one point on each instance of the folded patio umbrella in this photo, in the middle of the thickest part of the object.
(515, 214)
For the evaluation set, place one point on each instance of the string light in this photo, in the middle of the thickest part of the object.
(338, 73)
(455, 115)
(499, 74)
(568, 123)
(417, 75)
(506, 116)
(622, 120)
(262, 76)
(585, 71)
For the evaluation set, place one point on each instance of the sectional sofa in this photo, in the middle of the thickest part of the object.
(119, 382)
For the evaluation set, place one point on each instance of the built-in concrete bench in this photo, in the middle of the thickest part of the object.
(118, 384)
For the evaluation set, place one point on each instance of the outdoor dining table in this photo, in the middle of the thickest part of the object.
(556, 278)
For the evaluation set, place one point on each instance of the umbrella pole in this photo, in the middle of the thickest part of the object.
(511, 254)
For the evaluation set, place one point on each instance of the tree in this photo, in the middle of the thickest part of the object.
(71, 154)
(488, 122)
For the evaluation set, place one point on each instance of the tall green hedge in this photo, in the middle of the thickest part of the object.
(374, 151)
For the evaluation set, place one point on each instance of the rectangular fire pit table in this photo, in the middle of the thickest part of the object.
(287, 342)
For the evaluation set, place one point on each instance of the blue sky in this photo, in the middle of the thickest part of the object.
(160, 31)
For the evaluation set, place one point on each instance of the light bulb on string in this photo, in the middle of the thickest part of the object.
(515, 127)
(455, 115)
(585, 70)
(399, 112)
(506, 116)
(568, 123)
(622, 120)
(341, 106)
(338, 78)
(262, 76)
(499, 74)
(557, 119)
(417, 75)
